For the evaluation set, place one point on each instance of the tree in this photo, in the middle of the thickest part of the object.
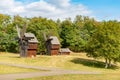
(79, 21)
(66, 27)
(7, 34)
(71, 37)
(105, 42)
(4, 20)
(20, 21)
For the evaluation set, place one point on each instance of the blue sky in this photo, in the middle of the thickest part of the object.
(103, 9)
(54, 9)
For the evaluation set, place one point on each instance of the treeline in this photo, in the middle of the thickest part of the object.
(98, 39)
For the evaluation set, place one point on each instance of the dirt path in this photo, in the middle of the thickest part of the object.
(52, 71)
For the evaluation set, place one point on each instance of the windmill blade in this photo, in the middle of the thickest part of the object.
(44, 35)
(18, 31)
(23, 30)
(50, 34)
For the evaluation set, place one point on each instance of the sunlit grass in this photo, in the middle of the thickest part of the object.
(79, 77)
(75, 61)
(10, 69)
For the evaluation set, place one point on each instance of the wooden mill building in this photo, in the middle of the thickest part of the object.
(52, 45)
(64, 51)
(31, 44)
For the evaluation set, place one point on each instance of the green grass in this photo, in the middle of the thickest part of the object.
(72, 62)
(9, 69)
(76, 61)
(79, 77)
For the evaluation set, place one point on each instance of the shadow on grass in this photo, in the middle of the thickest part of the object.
(92, 63)
(14, 57)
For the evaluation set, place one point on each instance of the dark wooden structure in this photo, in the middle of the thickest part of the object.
(64, 51)
(32, 44)
(52, 45)
(27, 43)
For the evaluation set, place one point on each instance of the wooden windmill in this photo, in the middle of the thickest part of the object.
(52, 45)
(27, 43)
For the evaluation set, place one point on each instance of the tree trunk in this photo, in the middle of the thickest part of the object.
(106, 63)
(110, 63)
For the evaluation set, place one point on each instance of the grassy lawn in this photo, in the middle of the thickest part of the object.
(9, 69)
(77, 61)
(72, 62)
(78, 77)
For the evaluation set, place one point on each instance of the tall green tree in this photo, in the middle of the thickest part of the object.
(85, 27)
(71, 36)
(79, 21)
(7, 34)
(66, 27)
(105, 42)
(20, 21)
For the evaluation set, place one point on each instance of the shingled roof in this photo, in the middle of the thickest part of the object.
(32, 36)
(65, 50)
(29, 35)
(54, 40)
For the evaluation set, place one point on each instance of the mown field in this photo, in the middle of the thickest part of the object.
(75, 61)
(78, 77)
(10, 69)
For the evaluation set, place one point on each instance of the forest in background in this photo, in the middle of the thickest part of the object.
(83, 34)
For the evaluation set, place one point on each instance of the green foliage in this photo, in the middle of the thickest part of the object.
(20, 21)
(75, 35)
(105, 42)
(65, 34)
(7, 34)
(4, 20)
(7, 41)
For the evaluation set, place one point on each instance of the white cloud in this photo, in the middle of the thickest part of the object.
(60, 3)
(11, 7)
(51, 9)
(40, 6)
